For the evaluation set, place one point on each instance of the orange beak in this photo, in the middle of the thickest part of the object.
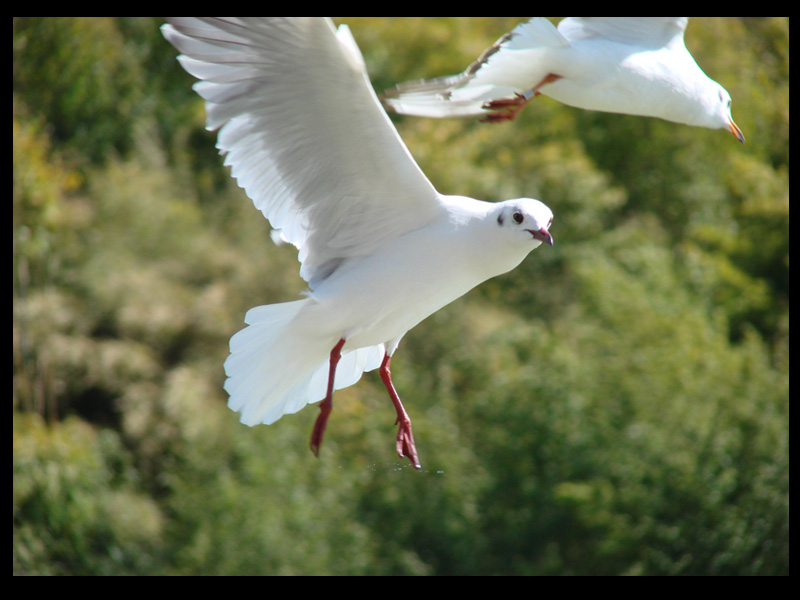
(736, 131)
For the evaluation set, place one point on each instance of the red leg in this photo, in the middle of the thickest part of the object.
(327, 404)
(405, 439)
(509, 108)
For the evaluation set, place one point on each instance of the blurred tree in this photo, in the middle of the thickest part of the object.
(616, 405)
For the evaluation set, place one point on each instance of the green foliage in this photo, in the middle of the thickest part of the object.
(77, 506)
(616, 405)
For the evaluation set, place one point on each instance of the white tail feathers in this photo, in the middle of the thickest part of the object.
(274, 370)
(439, 102)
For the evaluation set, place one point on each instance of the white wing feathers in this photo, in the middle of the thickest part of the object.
(646, 32)
(306, 138)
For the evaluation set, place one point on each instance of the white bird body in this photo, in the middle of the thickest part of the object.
(406, 278)
(628, 65)
(381, 249)
(370, 302)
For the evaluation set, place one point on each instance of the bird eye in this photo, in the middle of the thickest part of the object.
(518, 218)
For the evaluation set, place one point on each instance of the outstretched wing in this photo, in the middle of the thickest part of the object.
(304, 133)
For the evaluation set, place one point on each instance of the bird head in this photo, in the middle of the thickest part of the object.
(721, 112)
(530, 218)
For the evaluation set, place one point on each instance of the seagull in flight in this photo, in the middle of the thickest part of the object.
(307, 138)
(629, 65)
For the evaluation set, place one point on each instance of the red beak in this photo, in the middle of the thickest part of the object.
(542, 235)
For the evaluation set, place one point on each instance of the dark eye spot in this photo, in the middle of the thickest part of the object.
(518, 218)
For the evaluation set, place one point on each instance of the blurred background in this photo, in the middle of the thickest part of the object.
(617, 405)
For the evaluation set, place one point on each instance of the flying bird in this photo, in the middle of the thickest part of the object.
(307, 138)
(629, 65)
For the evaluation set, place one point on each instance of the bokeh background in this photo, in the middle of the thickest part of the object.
(616, 405)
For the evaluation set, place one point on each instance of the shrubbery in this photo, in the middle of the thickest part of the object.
(616, 405)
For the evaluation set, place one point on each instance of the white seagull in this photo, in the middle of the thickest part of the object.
(630, 65)
(380, 248)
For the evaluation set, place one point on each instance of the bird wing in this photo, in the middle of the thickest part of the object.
(304, 133)
(647, 32)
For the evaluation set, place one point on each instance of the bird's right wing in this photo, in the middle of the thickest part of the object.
(646, 32)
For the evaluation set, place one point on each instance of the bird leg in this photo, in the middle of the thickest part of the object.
(509, 108)
(327, 404)
(405, 439)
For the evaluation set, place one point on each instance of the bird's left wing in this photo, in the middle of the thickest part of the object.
(304, 133)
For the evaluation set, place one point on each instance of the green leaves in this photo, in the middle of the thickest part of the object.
(616, 405)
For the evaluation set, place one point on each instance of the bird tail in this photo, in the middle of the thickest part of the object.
(276, 367)
(436, 98)
(466, 93)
